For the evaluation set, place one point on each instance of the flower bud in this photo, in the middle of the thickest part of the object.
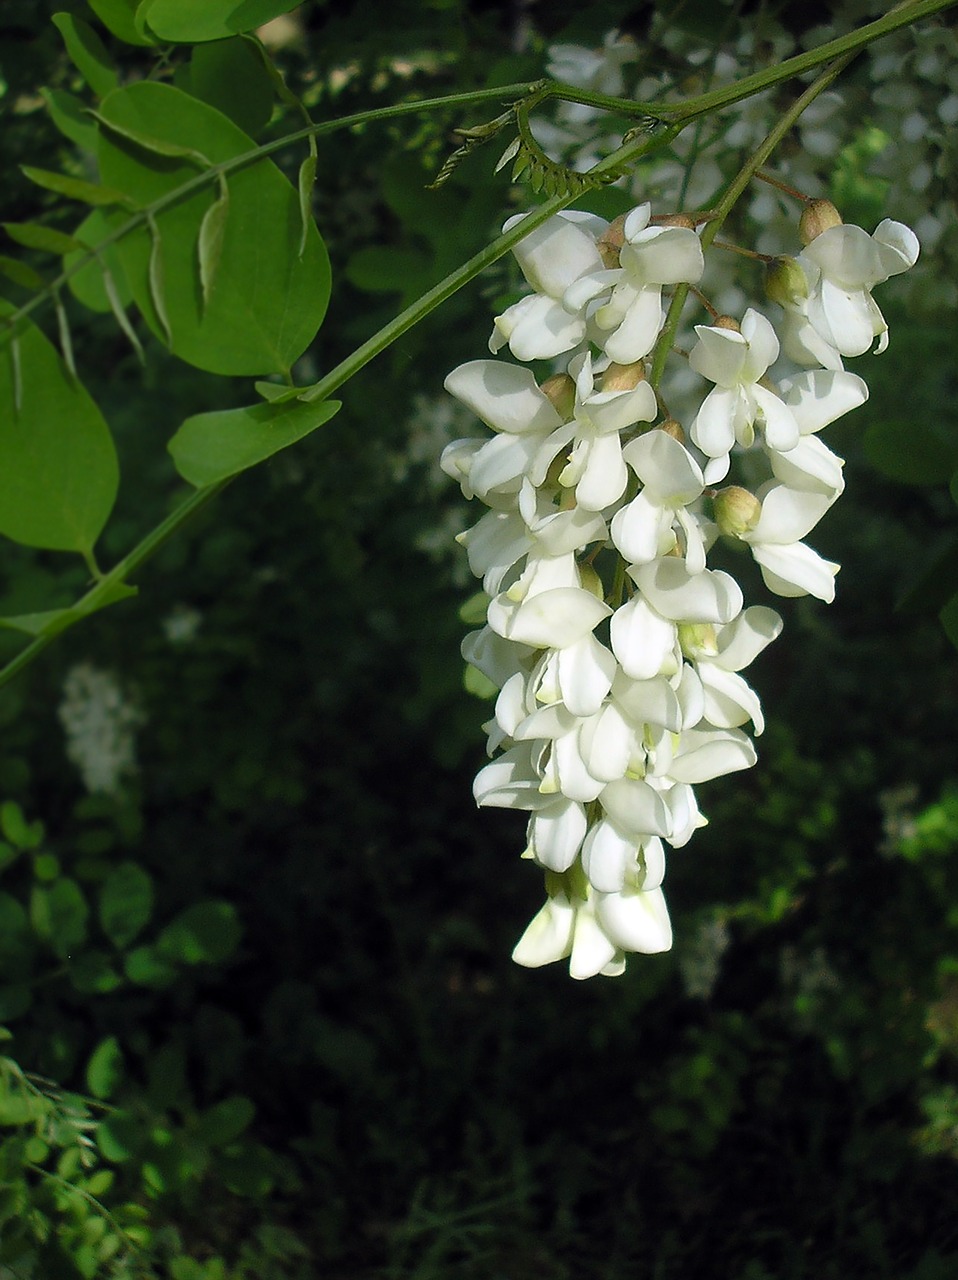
(611, 241)
(727, 322)
(698, 639)
(785, 282)
(672, 428)
(559, 390)
(623, 377)
(817, 216)
(736, 510)
(591, 581)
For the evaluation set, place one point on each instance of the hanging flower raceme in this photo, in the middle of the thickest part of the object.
(615, 648)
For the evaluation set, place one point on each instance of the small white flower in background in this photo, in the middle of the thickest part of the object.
(100, 724)
(181, 624)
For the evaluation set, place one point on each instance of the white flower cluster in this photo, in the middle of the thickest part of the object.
(615, 648)
(100, 724)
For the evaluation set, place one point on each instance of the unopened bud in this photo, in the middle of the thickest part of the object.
(785, 282)
(736, 510)
(623, 377)
(698, 639)
(727, 322)
(559, 390)
(817, 216)
(611, 241)
(591, 581)
(672, 428)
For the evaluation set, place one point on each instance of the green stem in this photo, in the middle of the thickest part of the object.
(731, 195)
(902, 15)
(100, 593)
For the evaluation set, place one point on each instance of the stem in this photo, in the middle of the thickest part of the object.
(901, 16)
(100, 593)
(731, 195)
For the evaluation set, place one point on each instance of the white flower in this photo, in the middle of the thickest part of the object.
(815, 398)
(671, 480)
(100, 724)
(736, 363)
(650, 258)
(789, 567)
(839, 317)
(552, 257)
(595, 468)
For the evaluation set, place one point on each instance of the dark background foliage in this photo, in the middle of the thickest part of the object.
(277, 979)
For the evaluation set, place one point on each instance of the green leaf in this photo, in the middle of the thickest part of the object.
(73, 188)
(276, 392)
(307, 180)
(230, 76)
(16, 940)
(186, 22)
(53, 621)
(911, 451)
(147, 968)
(70, 115)
(225, 1121)
(20, 273)
(211, 239)
(104, 1071)
(150, 141)
(59, 915)
(157, 286)
(949, 619)
(120, 1136)
(953, 487)
(118, 16)
(91, 973)
(206, 933)
(34, 236)
(13, 824)
(86, 284)
(87, 53)
(126, 903)
(268, 302)
(210, 447)
(58, 466)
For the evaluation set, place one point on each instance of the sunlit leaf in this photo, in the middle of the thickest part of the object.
(210, 447)
(65, 184)
(185, 21)
(119, 17)
(58, 467)
(268, 302)
(231, 76)
(87, 53)
(70, 115)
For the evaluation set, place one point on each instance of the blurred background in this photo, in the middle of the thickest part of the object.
(254, 936)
